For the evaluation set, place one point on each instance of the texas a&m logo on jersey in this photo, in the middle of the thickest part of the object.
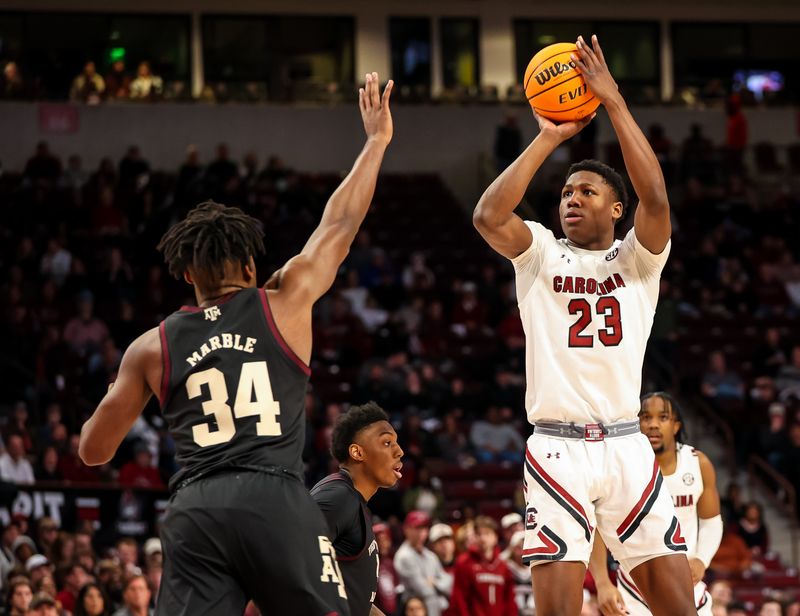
(212, 313)
(330, 568)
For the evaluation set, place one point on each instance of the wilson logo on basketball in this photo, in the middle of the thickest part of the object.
(554, 71)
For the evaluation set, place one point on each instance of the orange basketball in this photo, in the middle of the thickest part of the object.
(555, 87)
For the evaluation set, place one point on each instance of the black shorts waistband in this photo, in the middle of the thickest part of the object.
(279, 471)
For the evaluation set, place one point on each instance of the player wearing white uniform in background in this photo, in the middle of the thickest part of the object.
(587, 306)
(690, 479)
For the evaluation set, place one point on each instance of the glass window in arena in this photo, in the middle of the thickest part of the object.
(410, 44)
(266, 50)
(460, 52)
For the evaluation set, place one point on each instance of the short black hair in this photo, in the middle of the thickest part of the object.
(674, 409)
(350, 423)
(211, 235)
(610, 177)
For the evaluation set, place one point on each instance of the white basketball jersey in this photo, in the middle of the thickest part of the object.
(587, 315)
(685, 486)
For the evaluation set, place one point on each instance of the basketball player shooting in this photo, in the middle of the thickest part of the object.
(231, 377)
(691, 481)
(587, 304)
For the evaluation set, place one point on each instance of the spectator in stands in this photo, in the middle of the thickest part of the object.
(770, 292)
(451, 441)
(23, 548)
(426, 494)
(521, 574)
(221, 170)
(18, 425)
(721, 593)
(443, 544)
(11, 84)
(118, 82)
(511, 523)
(72, 578)
(139, 472)
(483, 584)
(507, 143)
(733, 557)
(133, 170)
(109, 577)
(85, 333)
(88, 87)
(419, 570)
(793, 608)
(773, 439)
(737, 609)
(788, 379)
(46, 536)
(469, 312)
(128, 555)
(14, 466)
(43, 167)
(7, 559)
(736, 133)
(38, 567)
(146, 86)
(415, 606)
(43, 604)
(56, 262)
(719, 383)
(136, 596)
(496, 440)
(20, 593)
(752, 528)
(771, 354)
(771, 607)
(388, 581)
(188, 183)
(696, 154)
(92, 601)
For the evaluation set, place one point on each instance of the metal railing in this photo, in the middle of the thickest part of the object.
(781, 492)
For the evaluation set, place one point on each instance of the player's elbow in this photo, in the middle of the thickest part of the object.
(91, 452)
(482, 217)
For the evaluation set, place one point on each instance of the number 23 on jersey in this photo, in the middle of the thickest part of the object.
(253, 398)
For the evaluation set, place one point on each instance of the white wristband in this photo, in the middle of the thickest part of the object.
(709, 535)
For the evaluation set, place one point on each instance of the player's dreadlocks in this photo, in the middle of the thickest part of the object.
(208, 237)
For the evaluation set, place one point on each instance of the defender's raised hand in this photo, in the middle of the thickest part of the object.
(592, 65)
(375, 108)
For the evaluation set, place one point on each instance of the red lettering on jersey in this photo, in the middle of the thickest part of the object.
(683, 500)
(601, 289)
(580, 285)
(609, 285)
(557, 282)
(567, 285)
(618, 279)
(591, 286)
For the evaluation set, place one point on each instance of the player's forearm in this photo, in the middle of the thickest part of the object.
(641, 163)
(598, 562)
(350, 202)
(500, 200)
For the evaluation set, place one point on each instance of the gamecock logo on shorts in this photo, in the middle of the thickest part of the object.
(530, 518)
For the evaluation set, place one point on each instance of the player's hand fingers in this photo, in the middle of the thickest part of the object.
(375, 96)
(587, 55)
(597, 50)
(577, 59)
(367, 99)
(387, 93)
(362, 104)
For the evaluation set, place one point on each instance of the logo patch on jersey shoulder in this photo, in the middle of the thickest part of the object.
(612, 255)
(212, 313)
(688, 479)
(530, 518)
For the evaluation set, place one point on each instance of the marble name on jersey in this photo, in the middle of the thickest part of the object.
(223, 341)
(590, 286)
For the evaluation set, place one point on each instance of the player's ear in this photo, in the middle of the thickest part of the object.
(187, 276)
(616, 210)
(356, 452)
(249, 270)
(676, 426)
